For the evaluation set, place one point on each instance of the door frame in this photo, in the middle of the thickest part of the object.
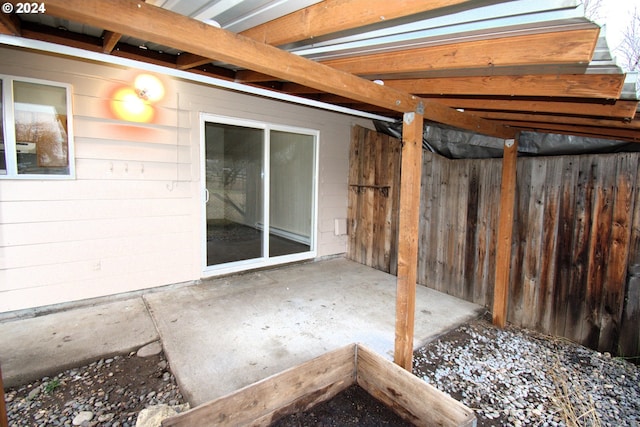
(265, 261)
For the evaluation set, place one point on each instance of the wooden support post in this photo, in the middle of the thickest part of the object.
(505, 230)
(411, 171)
(3, 408)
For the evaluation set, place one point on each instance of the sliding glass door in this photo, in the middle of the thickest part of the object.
(260, 194)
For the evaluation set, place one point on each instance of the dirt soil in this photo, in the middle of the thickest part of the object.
(352, 407)
(113, 389)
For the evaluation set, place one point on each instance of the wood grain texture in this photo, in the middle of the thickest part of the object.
(331, 16)
(408, 223)
(576, 242)
(304, 386)
(296, 389)
(505, 230)
(407, 395)
(562, 47)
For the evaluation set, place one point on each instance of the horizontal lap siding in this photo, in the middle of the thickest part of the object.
(131, 218)
(126, 219)
(576, 231)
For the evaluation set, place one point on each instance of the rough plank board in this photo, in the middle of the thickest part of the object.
(565, 243)
(374, 172)
(546, 309)
(611, 301)
(533, 243)
(297, 388)
(407, 395)
(629, 342)
(578, 263)
(304, 386)
(576, 232)
(598, 250)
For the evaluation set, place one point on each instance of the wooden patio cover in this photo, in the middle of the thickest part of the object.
(499, 104)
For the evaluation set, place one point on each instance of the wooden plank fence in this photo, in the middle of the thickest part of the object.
(575, 267)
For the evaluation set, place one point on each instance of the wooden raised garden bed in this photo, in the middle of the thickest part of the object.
(302, 387)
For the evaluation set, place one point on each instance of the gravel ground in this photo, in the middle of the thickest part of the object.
(109, 392)
(516, 377)
(510, 377)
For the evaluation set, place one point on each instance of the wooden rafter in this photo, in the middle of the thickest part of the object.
(188, 60)
(630, 135)
(578, 111)
(109, 41)
(332, 16)
(167, 28)
(328, 17)
(248, 76)
(618, 109)
(558, 48)
(10, 24)
(555, 119)
(605, 86)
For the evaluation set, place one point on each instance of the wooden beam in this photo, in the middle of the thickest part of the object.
(564, 120)
(619, 109)
(188, 60)
(411, 172)
(154, 24)
(109, 41)
(605, 86)
(327, 17)
(248, 76)
(562, 47)
(32, 30)
(630, 135)
(505, 230)
(10, 24)
(332, 16)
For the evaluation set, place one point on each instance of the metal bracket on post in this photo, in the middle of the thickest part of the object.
(420, 108)
(509, 142)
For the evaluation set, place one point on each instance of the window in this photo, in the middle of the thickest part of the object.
(35, 134)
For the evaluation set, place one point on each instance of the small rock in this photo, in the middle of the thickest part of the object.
(153, 415)
(152, 349)
(82, 417)
(33, 394)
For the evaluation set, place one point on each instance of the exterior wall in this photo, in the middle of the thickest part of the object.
(131, 218)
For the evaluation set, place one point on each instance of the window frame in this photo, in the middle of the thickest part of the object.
(9, 129)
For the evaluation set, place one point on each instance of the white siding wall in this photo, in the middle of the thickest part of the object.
(131, 219)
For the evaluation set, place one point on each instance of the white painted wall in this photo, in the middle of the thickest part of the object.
(131, 218)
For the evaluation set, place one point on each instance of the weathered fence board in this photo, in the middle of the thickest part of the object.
(576, 234)
(374, 199)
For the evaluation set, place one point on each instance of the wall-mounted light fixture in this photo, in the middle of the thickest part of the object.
(135, 104)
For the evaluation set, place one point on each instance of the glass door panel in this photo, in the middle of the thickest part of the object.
(291, 167)
(234, 183)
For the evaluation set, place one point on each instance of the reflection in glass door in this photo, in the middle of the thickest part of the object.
(234, 160)
(290, 192)
(242, 165)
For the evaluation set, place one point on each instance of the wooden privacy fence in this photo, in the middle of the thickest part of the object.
(575, 265)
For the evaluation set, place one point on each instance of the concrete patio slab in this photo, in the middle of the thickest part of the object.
(227, 333)
(35, 347)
